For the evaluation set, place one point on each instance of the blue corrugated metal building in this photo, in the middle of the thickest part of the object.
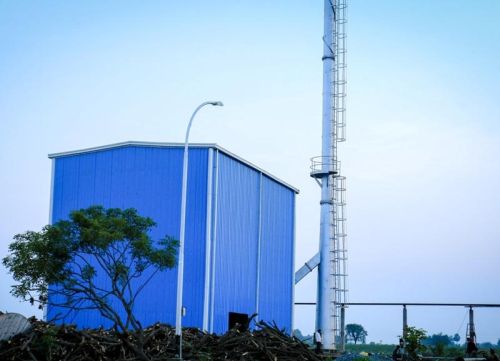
(240, 228)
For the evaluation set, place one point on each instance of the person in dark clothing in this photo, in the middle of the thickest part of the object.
(493, 356)
(318, 341)
(396, 354)
(471, 350)
(399, 351)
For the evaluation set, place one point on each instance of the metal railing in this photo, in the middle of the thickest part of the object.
(345, 305)
(324, 165)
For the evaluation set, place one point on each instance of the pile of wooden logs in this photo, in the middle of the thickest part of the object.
(65, 342)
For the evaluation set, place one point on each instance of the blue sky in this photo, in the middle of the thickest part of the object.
(423, 126)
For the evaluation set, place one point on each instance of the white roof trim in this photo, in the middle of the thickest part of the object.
(172, 145)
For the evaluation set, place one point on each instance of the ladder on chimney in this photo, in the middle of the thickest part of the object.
(338, 257)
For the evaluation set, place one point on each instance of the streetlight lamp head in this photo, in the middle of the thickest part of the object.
(217, 103)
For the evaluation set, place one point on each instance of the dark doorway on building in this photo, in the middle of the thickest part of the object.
(238, 321)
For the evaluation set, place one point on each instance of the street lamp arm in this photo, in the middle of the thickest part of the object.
(214, 103)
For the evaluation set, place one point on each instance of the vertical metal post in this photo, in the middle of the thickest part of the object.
(472, 329)
(259, 241)
(182, 233)
(342, 328)
(180, 265)
(208, 239)
(214, 242)
(405, 323)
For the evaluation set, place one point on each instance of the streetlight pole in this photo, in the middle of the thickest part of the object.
(180, 265)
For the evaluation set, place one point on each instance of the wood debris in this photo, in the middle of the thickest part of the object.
(65, 342)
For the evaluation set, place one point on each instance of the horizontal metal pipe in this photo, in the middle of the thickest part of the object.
(407, 304)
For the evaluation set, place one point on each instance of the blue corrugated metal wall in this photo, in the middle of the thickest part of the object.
(148, 179)
(237, 228)
(252, 236)
(276, 256)
(251, 208)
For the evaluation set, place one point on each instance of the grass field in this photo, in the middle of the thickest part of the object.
(447, 351)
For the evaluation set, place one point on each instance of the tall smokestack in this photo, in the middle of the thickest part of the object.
(332, 272)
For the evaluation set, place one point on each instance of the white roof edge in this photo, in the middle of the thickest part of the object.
(166, 145)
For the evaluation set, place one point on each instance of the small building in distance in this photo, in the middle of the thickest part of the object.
(240, 228)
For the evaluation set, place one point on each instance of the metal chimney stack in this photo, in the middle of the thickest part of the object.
(332, 269)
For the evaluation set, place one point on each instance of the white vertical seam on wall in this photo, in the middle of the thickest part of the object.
(51, 205)
(214, 241)
(257, 289)
(293, 262)
(51, 209)
(208, 230)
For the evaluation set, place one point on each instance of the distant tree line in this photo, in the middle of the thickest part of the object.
(441, 339)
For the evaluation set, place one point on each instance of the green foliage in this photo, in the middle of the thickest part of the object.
(36, 260)
(443, 345)
(69, 254)
(355, 332)
(414, 337)
(376, 348)
(438, 349)
(438, 343)
(438, 339)
(450, 351)
(486, 345)
(453, 351)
